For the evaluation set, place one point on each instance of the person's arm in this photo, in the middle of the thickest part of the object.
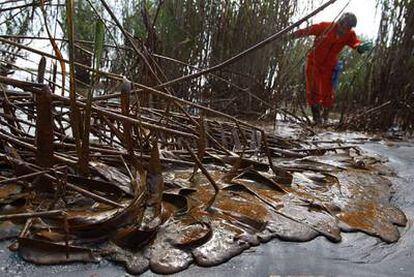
(313, 30)
(355, 43)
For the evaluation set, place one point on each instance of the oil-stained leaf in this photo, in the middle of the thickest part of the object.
(47, 253)
(106, 223)
(155, 181)
(112, 190)
(178, 201)
(113, 175)
(191, 234)
(259, 178)
(133, 237)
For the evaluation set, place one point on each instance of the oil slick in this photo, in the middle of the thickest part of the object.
(328, 194)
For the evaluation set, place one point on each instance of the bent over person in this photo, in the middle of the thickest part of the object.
(330, 39)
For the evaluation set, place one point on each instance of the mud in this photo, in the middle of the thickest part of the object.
(357, 253)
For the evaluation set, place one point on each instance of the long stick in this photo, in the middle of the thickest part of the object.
(31, 215)
(30, 175)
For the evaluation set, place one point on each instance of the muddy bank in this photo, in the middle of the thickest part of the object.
(356, 255)
(362, 254)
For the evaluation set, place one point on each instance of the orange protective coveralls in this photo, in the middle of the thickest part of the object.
(322, 60)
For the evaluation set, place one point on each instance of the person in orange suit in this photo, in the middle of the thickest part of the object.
(330, 39)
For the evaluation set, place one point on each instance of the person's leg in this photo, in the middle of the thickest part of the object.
(327, 93)
(313, 87)
(316, 113)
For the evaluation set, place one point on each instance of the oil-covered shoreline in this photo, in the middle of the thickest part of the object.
(375, 250)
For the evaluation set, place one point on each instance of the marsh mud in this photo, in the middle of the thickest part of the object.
(342, 206)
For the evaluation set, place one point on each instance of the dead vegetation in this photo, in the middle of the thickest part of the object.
(162, 189)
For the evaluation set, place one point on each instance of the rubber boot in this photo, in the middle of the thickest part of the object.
(316, 114)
